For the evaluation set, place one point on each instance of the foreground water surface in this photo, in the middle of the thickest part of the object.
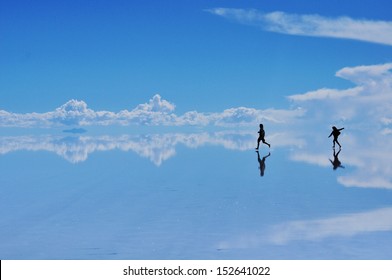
(201, 195)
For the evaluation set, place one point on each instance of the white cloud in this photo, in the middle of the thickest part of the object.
(156, 104)
(326, 93)
(365, 73)
(193, 118)
(369, 100)
(312, 25)
(157, 112)
(243, 116)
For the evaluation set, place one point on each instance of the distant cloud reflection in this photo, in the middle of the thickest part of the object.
(366, 156)
(155, 147)
(343, 225)
(347, 225)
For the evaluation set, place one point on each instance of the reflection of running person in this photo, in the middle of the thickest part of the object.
(261, 137)
(336, 162)
(262, 162)
(335, 132)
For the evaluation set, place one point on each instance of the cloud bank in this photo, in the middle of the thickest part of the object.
(312, 25)
(156, 112)
(368, 102)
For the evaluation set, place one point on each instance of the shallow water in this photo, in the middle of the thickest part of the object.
(193, 196)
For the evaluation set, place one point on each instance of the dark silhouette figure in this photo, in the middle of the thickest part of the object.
(262, 163)
(335, 132)
(336, 162)
(261, 137)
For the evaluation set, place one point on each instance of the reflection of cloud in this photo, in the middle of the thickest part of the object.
(344, 225)
(75, 130)
(312, 25)
(316, 159)
(365, 153)
(347, 225)
(76, 149)
(366, 112)
(365, 182)
(370, 156)
(156, 112)
(156, 147)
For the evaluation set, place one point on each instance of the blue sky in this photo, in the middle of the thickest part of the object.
(114, 55)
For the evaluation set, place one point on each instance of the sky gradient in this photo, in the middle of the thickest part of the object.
(206, 56)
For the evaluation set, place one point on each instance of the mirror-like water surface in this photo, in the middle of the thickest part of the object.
(193, 196)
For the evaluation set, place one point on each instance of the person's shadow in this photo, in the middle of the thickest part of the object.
(336, 162)
(262, 162)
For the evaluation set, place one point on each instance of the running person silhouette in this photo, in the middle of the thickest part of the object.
(261, 137)
(335, 132)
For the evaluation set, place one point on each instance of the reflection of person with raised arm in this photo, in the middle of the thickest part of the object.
(335, 132)
(262, 162)
(336, 162)
(261, 137)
